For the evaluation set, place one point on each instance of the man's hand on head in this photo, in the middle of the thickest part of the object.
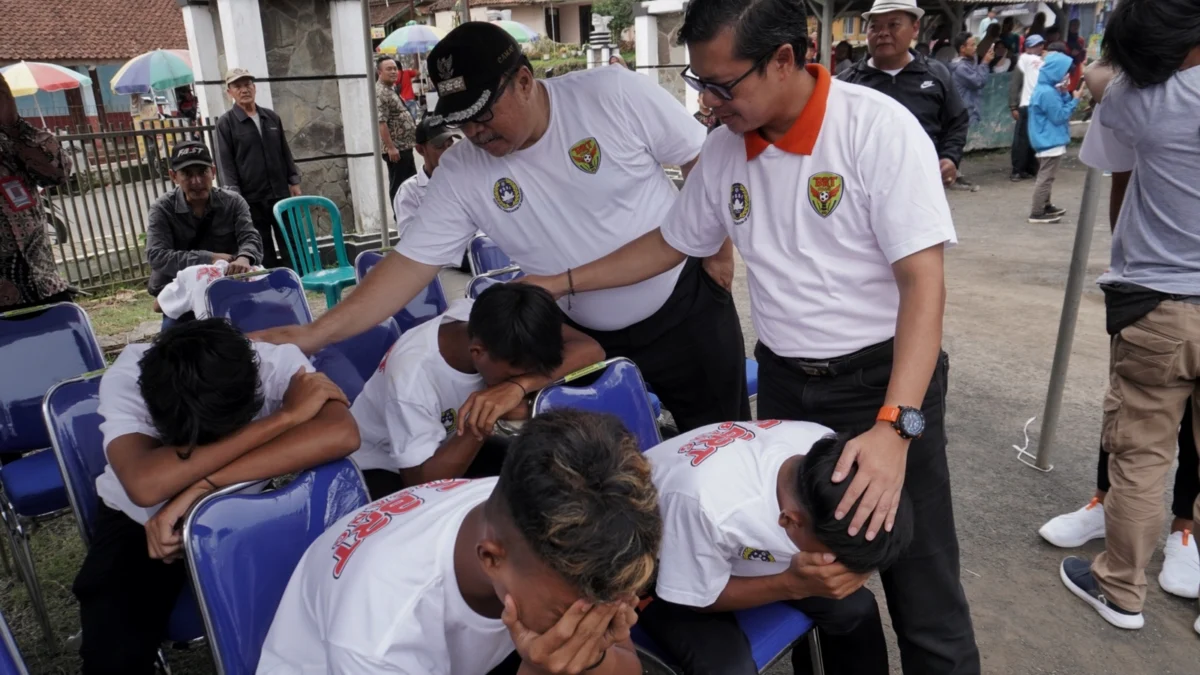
(881, 455)
(239, 265)
(301, 336)
(307, 393)
(556, 285)
(820, 575)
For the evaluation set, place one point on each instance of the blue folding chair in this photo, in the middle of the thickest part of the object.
(39, 347)
(11, 662)
(488, 279)
(485, 256)
(420, 309)
(243, 548)
(71, 413)
(752, 378)
(259, 300)
(351, 362)
(615, 387)
(295, 219)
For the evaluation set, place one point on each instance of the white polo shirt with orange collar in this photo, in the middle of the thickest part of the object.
(819, 217)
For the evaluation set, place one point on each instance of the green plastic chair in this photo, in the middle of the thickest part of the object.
(295, 219)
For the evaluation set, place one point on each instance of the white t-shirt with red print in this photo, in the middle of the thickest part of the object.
(717, 496)
(377, 593)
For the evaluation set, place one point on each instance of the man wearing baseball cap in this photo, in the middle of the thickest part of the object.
(1024, 80)
(560, 172)
(196, 223)
(432, 141)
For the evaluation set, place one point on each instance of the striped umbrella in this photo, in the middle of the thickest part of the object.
(28, 78)
(519, 31)
(413, 38)
(159, 69)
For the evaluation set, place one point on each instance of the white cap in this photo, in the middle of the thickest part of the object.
(885, 6)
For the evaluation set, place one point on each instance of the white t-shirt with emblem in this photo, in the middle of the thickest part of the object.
(409, 407)
(820, 231)
(593, 183)
(377, 593)
(124, 410)
(717, 495)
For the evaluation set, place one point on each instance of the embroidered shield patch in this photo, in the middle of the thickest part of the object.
(507, 195)
(739, 203)
(585, 155)
(825, 192)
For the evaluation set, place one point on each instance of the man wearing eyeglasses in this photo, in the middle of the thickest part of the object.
(832, 195)
(558, 173)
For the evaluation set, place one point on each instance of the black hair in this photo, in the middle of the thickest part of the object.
(1148, 40)
(849, 48)
(1007, 24)
(960, 40)
(820, 496)
(386, 57)
(520, 324)
(760, 27)
(578, 490)
(1057, 46)
(199, 380)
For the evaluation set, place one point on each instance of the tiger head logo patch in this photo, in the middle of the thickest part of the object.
(825, 192)
(585, 155)
(739, 203)
(507, 195)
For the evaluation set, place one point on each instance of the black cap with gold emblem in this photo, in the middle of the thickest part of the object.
(467, 67)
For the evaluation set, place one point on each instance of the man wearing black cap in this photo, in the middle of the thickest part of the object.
(558, 173)
(432, 141)
(197, 224)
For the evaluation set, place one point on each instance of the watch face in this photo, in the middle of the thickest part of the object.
(912, 422)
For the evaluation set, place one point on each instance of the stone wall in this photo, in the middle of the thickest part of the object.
(670, 53)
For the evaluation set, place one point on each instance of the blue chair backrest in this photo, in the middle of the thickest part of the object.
(485, 281)
(618, 390)
(39, 347)
(71, 414)
(485, 256)
(243, 548)
(11, 662)
(295, 219)
(430, 303)
(351, 362)
(259, 301)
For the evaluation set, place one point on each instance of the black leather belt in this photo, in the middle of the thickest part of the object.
(840, 365)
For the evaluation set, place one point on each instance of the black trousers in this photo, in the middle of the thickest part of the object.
(691, 351)
(399, 171)
(381, 482)
(704, 643)
(1187, 475)
(924, 594)
(263, 216)
(1024, 159)
(125, 598)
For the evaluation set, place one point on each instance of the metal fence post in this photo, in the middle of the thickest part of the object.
(1070, 312)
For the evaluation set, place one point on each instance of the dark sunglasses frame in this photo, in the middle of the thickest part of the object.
(723, 91)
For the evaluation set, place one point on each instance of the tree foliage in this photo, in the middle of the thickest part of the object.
(620, 10)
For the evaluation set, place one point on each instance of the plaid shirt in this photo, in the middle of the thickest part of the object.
(392, 112)
(29, 157)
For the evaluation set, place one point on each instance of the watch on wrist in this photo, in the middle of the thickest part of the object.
(908, 422)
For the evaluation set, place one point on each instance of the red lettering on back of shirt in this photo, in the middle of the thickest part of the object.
(703, 446)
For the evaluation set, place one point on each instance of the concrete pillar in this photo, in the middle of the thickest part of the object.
(645, 41)
(349, 47)
(826, 46)
(202, 44)
(242, 30)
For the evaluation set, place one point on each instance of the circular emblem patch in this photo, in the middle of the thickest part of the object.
(450, 420)
(507, 195)
(739, 203)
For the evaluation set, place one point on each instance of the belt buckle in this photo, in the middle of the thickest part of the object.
(815, 368)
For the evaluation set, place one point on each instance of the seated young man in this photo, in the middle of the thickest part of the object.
(199, 408)
(449, 578)
(748, 520)
(429, 411)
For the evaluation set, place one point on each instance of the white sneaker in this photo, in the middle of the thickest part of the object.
(1077, 528)
(1181, 568)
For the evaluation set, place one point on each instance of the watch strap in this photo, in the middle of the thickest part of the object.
(889, 413)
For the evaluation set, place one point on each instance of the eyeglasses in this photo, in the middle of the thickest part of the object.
(487, 114)
(722, 91)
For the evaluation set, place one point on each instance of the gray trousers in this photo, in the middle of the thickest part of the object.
(1047, 169)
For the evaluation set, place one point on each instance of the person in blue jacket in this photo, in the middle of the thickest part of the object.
(1050, 131)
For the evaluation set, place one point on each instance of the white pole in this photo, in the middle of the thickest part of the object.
(372, 103)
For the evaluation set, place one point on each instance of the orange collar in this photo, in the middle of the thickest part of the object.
(800, 139)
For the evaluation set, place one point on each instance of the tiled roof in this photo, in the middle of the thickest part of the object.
(384, 11)
(68, 30)
(444, 5)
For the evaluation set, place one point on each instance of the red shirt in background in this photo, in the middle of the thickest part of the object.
(406, 80)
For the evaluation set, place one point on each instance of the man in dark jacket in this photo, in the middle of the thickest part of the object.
(197, 224)
(922, 85)
(256, 161)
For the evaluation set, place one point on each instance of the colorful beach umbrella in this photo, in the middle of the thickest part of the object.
(413, 38)
(159, 69)
(519, 31)
(27, 78)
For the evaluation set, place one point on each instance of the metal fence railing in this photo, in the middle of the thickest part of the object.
(98, 217)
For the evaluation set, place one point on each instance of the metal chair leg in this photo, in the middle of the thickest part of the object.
(814, 649)
(160, 663)
(23, 555)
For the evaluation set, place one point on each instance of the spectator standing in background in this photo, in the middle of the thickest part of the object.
(1038, 27)
(987, 22)
(404, 86)
(1020, 91)
(397, 129)
(432, 140)
(1010, 35)
(256, 161)
(970, 74)
(1077, 50)
(1050, 111)
(28, 158)
(1001, 61)
(843, 57)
